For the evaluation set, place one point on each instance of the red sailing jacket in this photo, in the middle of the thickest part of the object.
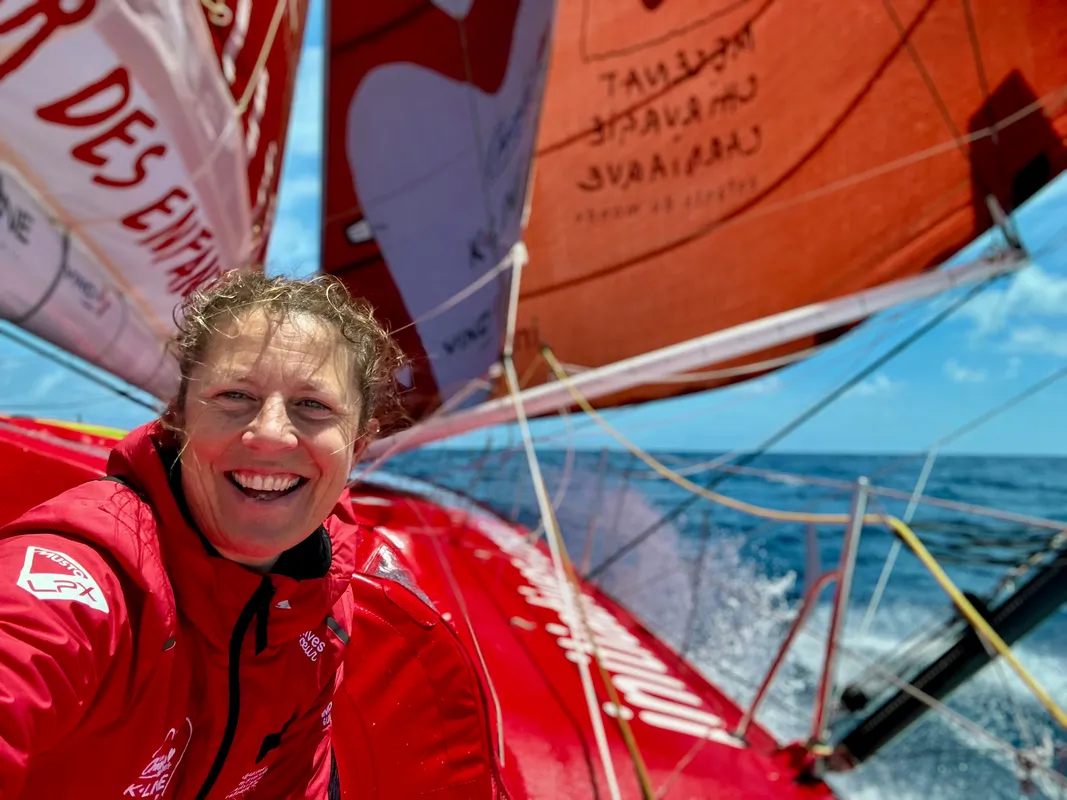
(135, 663)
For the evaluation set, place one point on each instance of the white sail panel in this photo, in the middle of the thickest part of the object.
(146, 170)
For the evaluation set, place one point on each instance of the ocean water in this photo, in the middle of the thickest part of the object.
(723, 586)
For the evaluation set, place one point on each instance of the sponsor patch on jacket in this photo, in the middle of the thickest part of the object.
(52, 575)
(156, 776)
(312, 645)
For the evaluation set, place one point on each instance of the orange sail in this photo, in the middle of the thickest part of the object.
(705, 163)
(699, 164)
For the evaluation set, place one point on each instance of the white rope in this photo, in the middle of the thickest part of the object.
(566, 589)
(894, 551)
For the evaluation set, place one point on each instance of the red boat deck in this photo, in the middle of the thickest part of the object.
(500, 595)
(479, 569)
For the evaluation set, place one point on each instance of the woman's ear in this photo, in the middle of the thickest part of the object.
(363, 442)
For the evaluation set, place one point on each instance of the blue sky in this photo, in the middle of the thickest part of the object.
(1014, 334)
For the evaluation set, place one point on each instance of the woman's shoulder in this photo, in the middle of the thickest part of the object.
(58, 568)
(106, 517)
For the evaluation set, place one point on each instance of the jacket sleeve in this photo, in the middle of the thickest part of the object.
(62, 619)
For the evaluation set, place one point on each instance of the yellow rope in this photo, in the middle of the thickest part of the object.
(906, 535)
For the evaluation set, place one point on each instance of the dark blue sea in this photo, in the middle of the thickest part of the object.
(724, 586)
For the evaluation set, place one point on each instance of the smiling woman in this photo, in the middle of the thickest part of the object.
(282, 382)
(207, 570)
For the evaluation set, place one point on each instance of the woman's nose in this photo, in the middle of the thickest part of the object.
(271, 428)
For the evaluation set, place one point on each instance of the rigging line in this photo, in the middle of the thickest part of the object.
(982, 628)
(571, 599)
(644, 780)
(967, 427)
(983, 83)
(942, 108)
(895, 526)
(77, 370)
(894, 551)
(934, 704)
(698, 574)
(941, 443)
(451, 302)
(1011, 402)
(461, 394)
(946, 116)
(562, 486)
(796, 422)
(1016, 707)
(241, 104)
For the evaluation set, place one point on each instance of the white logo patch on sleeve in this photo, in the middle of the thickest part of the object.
(52, 575)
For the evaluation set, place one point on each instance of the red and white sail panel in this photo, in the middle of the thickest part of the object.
(140, 148)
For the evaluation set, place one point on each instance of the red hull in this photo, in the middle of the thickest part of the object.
(491, 585)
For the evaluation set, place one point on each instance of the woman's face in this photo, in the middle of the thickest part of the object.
(271, 422)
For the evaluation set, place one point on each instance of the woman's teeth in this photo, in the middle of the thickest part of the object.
(282, 482)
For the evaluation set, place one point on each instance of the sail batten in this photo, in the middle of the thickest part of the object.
(718, 347)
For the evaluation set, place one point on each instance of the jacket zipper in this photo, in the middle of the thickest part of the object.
(258, 603)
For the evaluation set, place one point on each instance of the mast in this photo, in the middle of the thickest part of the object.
(1012, 618)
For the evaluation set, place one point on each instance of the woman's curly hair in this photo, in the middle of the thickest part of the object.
(375, 356)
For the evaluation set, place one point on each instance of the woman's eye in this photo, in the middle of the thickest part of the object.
(314, 405)
(232, 394)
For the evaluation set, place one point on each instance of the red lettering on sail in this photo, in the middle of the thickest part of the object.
(88, 152)
(44, 18)
(136, 220)
(172, 228)
(76, 110)
(100, 102)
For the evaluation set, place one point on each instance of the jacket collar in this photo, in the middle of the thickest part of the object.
(211, 590)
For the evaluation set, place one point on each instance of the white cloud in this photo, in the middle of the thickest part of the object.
(305, 122)
(957, 373)
(1033, 292)
(1038, 339)
(879, 384)
(768, 385)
